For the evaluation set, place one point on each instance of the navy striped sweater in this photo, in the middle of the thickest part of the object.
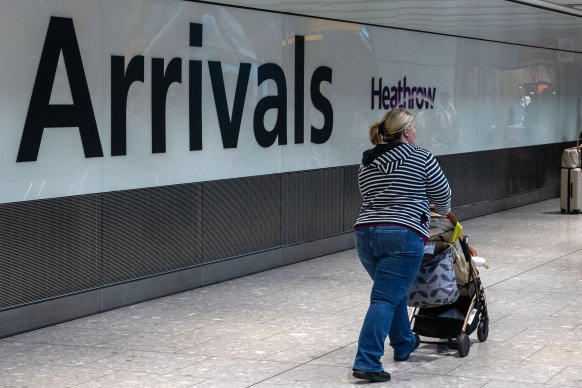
(397, 182)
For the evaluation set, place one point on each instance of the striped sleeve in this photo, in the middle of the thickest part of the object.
(437, 186)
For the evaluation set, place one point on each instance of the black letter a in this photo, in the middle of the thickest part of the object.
(60, 37)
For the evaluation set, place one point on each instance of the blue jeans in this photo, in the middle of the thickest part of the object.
(392, 256)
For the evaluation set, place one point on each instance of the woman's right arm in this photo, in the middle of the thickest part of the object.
(437, 186)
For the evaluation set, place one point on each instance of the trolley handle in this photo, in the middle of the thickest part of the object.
(450, 214)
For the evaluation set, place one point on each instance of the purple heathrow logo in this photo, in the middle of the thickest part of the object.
(402, 96)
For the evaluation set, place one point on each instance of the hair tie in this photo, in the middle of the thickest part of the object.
(382, 129)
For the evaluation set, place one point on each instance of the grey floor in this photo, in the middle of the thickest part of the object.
(298, 326)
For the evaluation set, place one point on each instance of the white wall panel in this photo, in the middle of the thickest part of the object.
(480, 76)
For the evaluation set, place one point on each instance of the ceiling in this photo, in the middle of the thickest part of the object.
(496, 20)
(569, 3)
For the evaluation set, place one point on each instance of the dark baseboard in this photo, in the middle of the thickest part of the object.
(497, 205)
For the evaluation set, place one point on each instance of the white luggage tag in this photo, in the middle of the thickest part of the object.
(429, 248)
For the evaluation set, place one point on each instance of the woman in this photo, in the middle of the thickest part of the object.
(397, 180)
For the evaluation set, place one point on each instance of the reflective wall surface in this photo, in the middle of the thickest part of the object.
(184, 91)
(515, 82)
(497, 20)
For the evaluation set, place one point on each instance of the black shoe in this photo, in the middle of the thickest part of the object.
(376, 377)
(416, 345)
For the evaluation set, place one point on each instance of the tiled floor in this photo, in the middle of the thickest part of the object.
(298, 326)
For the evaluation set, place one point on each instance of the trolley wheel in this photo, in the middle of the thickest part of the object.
(483, 330)
(464, 344)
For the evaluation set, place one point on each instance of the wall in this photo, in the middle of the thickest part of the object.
(151, 147)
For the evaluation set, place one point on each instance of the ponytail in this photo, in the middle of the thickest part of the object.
(375, 136)
(391, 126)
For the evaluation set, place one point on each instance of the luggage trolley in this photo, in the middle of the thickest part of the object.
(436, 322)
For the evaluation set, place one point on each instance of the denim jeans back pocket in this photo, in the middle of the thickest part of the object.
(390, 241)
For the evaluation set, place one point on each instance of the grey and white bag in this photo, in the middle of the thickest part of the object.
(435, 284)
(571, 157)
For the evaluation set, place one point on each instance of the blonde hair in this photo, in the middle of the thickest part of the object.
(391, 127)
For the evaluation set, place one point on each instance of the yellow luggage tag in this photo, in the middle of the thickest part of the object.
(456, 234)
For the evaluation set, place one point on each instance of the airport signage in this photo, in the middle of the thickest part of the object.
(61, 39)
(102, 96)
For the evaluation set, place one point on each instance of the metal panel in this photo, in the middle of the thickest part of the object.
(352, 197)
(460, 171)
(241, 216)
(492, 173)
(48, 248)
(489, 175)
(52, 248)
(241, 266)
(510, 202)
(124, 294)
(311, 249)
(151, 231)
(50, 312)
(312, 204)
